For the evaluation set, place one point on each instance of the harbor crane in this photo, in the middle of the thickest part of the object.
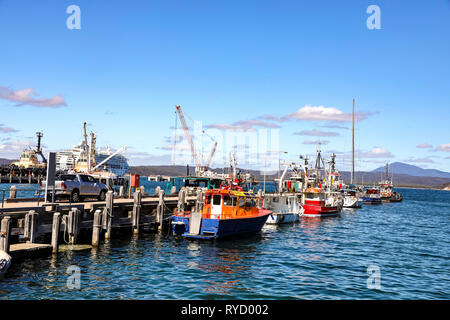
(199, 169)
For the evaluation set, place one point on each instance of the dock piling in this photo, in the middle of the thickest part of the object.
(5, 232)
(55, 231)
(160, 210)
(137, 197)
(96, 228)
(73, 225)
(108, 214)
(31, 226)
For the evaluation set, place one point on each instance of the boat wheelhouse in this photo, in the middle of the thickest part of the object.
(285, 208)
(317, 203)
(372, 195)
(226, 212)
(195, 182)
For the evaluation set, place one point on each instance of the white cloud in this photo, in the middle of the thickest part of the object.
(424, 146)
(323, 142)
(443, 147)
(7, 129)
(376, 153)
(12, 149)
(317, 133)
(25, 96)
(242, 125)
(321, 113)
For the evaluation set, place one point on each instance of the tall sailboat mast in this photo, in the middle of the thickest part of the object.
(353, 143)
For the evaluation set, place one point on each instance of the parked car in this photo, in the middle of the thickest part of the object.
(76, 187)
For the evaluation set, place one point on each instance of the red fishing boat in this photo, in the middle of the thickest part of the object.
(317, 203)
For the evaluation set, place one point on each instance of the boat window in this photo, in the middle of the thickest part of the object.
(241, 201)
(248, 203)
(228, 201)
(208, 199)
(216, 199)
(275, 199)
(310, 196)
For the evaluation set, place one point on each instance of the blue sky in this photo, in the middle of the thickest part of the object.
(228, 64)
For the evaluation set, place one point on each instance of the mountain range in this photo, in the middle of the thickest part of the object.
(403, 168)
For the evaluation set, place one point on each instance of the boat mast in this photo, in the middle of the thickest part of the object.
(353, 144)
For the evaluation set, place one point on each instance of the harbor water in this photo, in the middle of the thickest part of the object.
(407, 243)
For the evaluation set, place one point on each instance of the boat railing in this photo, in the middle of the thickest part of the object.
(39, 194)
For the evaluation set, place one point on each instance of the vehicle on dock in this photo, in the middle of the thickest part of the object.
(285, 208)
(77, 187)
(372, 195)
(227, 212)
(317, 203)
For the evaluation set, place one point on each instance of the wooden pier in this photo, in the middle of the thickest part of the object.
(31, 229)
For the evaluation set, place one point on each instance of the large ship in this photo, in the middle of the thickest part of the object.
(29, 157)
(85, 158)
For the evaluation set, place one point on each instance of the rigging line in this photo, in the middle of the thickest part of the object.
(175, 140)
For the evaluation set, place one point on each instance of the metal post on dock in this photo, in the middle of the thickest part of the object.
(160, 210)
(121, 192)
(31, 226)
(108, 214)
(5, 232)
(13, 192)
(137, 197)
(158, 188)
(55, 231)
(73, 225)
(96, 228)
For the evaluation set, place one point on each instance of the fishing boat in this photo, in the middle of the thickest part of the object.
(386, 189)
(285, 208)
(372, 195)
(5, 262)
(227, 212)
(351, 198)
(29, 157)
(316, 203)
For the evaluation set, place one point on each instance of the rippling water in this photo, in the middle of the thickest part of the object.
(314, 259)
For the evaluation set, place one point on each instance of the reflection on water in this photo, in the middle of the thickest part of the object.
(315, 258)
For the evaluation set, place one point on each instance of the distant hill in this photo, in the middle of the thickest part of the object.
(366, 178)
(5, 162)
(403, 168)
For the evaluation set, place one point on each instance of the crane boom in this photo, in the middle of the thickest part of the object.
(188, 135)
(112, 155)
(211, 155)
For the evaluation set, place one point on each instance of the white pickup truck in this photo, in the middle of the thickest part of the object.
(76, 187)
